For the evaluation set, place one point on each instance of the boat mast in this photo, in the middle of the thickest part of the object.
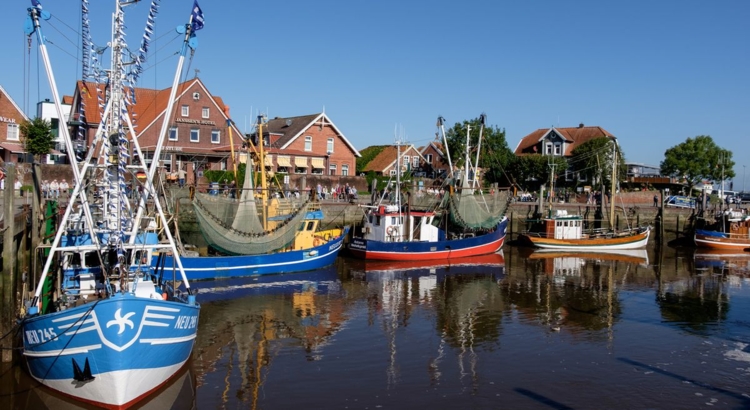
(614, 181)
(467, 161)
(482, 120)
(263, 182)
(441, 128)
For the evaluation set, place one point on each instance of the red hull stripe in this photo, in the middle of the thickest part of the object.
(483, 249)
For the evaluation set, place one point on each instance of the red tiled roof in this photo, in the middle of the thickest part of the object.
(574, 137)
(149, 103)
(385, 158)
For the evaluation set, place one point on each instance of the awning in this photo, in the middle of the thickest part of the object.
(318, 163)
(269, 161)
(15, 148)
(284, 161)
(300, 162)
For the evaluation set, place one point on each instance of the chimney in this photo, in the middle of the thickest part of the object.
(580, 125)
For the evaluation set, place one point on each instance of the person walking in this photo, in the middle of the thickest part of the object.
(656, 201)
(181, 177)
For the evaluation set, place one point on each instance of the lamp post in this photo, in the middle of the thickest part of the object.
(743, 179)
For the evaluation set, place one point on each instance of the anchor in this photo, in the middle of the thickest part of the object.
(82, 375)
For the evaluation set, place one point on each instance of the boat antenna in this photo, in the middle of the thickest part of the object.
(441, 130)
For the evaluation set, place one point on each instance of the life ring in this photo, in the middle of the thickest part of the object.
(317, 241)
(391, 231)
(735, 227)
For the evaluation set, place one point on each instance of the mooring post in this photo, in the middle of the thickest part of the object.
(9, 258)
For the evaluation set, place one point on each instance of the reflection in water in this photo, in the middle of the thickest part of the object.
(523, 329)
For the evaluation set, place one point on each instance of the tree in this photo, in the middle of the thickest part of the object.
(593, 160)
(38, 138)
(697, 159)
(495, 156)
(532, 171)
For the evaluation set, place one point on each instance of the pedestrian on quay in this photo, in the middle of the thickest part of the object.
(181, 177)
(656, 201)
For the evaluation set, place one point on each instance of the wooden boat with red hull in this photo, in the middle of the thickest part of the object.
(563, 231)
(496, 259)
(735, 235)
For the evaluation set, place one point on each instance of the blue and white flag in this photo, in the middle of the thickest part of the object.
(197, 16)
(38, 5)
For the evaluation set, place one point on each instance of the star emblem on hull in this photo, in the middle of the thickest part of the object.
(121, 321)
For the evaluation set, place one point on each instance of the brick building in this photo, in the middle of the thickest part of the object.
(307, 145)
(11, 141)
(197, 136)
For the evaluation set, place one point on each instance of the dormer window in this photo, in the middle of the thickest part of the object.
(548, 149)
(558, 149)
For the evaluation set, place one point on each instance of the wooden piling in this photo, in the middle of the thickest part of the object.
(9, 261)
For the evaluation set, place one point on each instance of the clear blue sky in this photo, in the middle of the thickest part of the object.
(653, 73)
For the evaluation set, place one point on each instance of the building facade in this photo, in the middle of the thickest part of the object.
(308, 145)
(197, 132)
(11, 140)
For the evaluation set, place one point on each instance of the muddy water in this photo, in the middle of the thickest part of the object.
(522, 330)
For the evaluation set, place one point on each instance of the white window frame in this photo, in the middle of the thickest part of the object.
(558, 149)
(176, 133)
(13, 130)
(308, 143)
(429, 159)
(393, 172)
(332, 169)
(329, 146)
(415, 162)
(548, 151)
(204, 112)
(185, 110)
(344, 169)
(197, 135)
(406, 161)
(216, 133)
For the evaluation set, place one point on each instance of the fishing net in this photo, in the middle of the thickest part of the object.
(479, 211)
(235, 226)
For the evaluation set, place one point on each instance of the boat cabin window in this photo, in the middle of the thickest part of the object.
(140, 257)
(310, 225)
(377, 220)
(393, 220)
(91, 259)
(74, 259)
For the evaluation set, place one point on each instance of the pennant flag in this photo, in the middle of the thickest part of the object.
(197, 17)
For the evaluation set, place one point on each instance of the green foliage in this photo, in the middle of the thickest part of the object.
(697, 159)
(367, 155)
(531, 171)
(27, 188)
(593, 159)
(220, 176)
(495, 156)
(38, 138)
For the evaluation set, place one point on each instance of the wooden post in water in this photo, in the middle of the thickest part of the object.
(37, 216)
(9, 260)
(678, 225)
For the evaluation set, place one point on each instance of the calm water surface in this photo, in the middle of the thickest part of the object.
(521, 330)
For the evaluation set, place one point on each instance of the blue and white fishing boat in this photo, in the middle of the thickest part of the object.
(104, 326)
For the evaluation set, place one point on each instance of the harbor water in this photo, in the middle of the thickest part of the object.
(663, 328)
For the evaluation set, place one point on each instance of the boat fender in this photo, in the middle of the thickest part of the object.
(391, 231)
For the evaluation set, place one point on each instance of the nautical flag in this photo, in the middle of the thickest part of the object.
(197, 16)
(36, 4)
